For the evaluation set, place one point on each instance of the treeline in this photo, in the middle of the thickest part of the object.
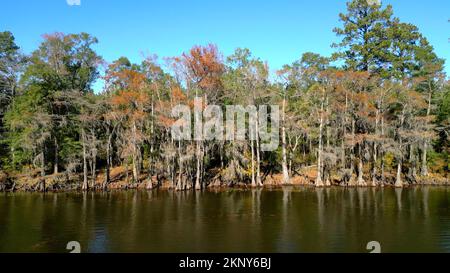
(382, 116)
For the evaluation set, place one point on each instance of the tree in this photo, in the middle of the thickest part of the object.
(249, 86)
(364, 44)
(62, 65)
(130, 105)
(203, 67)
(428, 71)
(28, 126)
(406, 107)
(442, 144)
(11, 65)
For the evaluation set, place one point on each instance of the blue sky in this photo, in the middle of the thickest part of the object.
(276, 31)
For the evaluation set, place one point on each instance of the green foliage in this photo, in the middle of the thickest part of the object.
(11, 63)
(442, 144)
(364, 44)
(443, 114)
(439, 162)
(45, 111)
(375, 41)
(389, 160)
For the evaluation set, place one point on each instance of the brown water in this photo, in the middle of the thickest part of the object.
(281, 220)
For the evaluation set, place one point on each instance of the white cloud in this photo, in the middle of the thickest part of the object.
(73, 2)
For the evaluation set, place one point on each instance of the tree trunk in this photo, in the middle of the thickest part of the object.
(149, 185)
(319, 181)
(180, 166)
(134, 157)
(198, 172)
(85, 185)
(55, 170)
(424, 168)
(204, 152)
(383, 177)
(374, 181)
(343, 165)
(253, 162)
(361, 181)
(152, 132)
(108, 162)
(412, 163)
(398, 181)
(352, 181)
(258, 156)
(344, 129)
(94, 169)
(283, 145)
(42, 186)
(13, 155)
(327, 176)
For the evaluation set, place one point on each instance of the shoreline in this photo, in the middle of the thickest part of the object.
(117, 187)
(63, 182)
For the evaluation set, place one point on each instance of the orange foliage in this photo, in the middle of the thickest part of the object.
(164, 107)
(204, 65)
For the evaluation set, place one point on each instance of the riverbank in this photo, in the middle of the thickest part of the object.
(121, 180)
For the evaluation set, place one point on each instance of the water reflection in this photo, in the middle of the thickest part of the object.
(279, 220)
(398, 197)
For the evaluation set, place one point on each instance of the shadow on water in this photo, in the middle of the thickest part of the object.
(290, 219)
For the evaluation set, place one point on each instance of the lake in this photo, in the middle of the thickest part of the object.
(290, 219)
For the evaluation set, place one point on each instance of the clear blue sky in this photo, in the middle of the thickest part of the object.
(276, 31)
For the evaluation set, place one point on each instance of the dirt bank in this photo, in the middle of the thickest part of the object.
(121, 180)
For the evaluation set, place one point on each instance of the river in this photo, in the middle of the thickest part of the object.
(290, 219)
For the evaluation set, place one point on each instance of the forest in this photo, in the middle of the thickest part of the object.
(374, 113)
